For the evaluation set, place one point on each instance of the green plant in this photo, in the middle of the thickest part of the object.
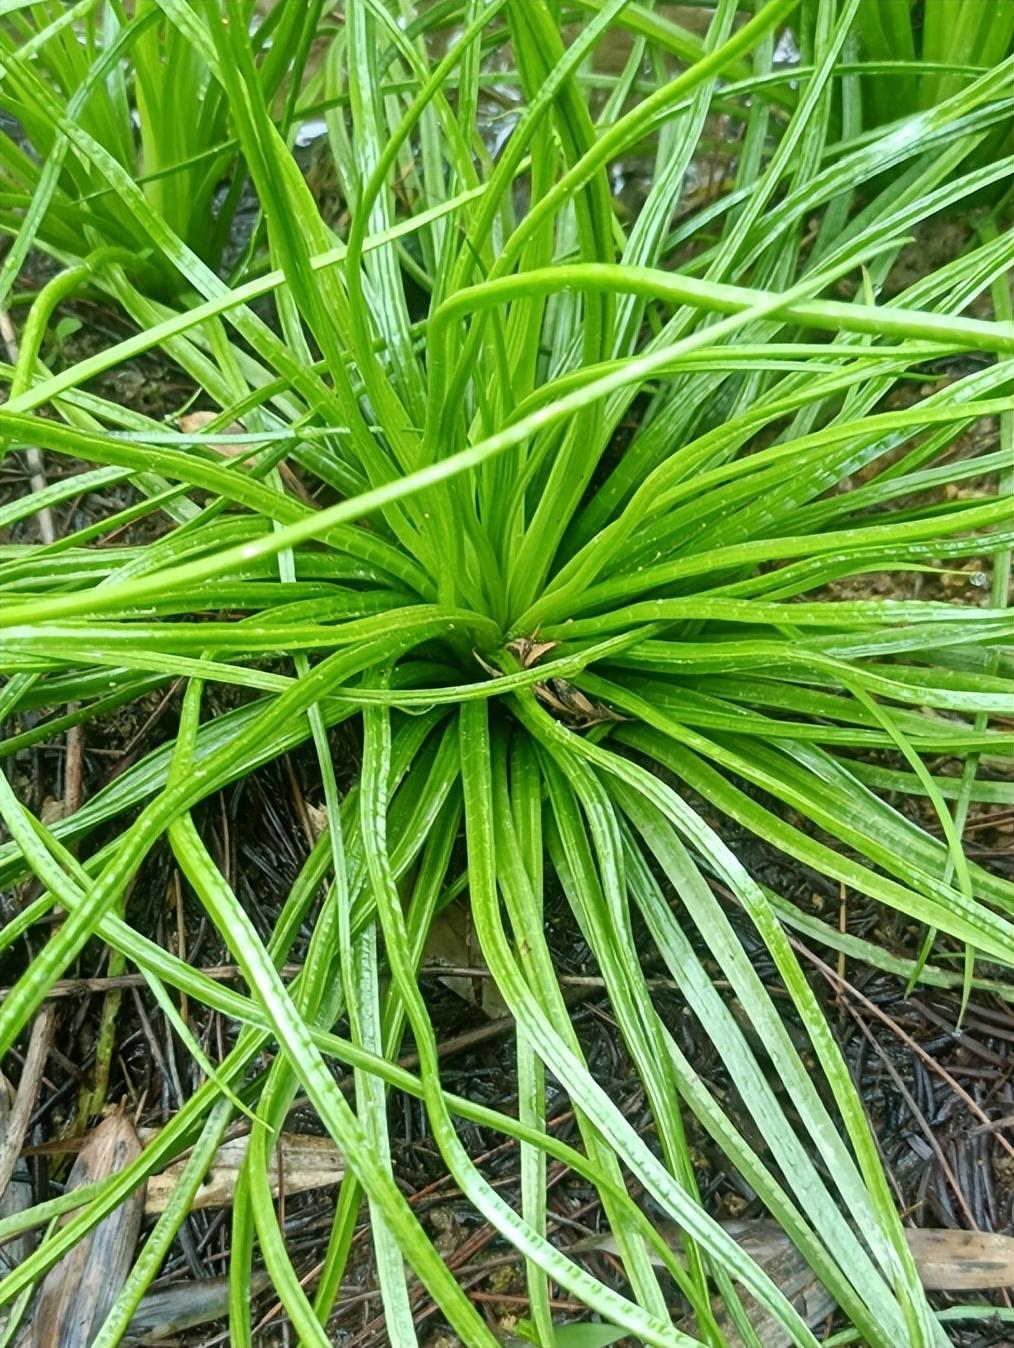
(594, 495)
(932, 37)
(142, 90)
(63, 330)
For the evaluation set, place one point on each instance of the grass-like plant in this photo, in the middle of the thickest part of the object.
(144, 93)
(928, 39)
(585, 498)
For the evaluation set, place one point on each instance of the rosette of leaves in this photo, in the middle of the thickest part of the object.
(617, 541)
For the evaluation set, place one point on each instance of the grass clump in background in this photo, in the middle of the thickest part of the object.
(592, 537)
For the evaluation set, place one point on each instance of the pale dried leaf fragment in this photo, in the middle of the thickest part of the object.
(78, 1292)
(192, 423)
(52, 810)
(298, 1163)
(530, 650)
(316, 817)
(768, 1245)
(962, 1261)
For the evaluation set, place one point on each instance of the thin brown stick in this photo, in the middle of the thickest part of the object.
(299, 800)
(75, 987)
(588, 981)
(994, 1124)
(919, 1118)
(973, 1105)
(136, 739)
(181, 938)
(493, 1028)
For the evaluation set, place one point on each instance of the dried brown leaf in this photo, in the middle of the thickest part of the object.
(573, 706)
(192, 423)
(195, 422)
(77, 1292)
(451, 942)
